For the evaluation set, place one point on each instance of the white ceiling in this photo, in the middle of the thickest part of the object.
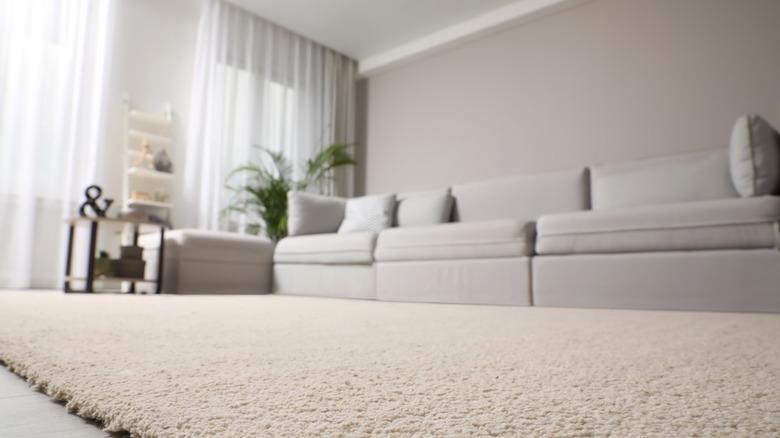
(363, 28)
(379, 33)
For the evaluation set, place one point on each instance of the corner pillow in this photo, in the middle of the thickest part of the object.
(313, 214)
(754, 157)
(423, 208)
(368, 213)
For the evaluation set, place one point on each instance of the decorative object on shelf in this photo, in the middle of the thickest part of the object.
(263, 198)
(146, 160)
(131, 263)
(162, 162)
(160, 195)
(130, 268)
(93, 194)
(104, 266)
(132, 252)
(141, 196)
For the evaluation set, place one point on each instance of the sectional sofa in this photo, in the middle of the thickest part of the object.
(662, 233)
(479, 252)
(696, 231)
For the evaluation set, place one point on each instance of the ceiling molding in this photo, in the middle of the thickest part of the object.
(493, 21)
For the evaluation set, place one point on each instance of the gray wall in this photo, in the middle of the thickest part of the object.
(607, 81)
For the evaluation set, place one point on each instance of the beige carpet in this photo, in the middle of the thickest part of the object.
(285, 366)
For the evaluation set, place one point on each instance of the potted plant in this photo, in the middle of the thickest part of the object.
(262, 194)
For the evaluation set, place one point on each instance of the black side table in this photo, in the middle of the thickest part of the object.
(93, 223)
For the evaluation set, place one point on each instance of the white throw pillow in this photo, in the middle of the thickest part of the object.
(423, 208)
(368, 213)
(754, 157)
(313, 214)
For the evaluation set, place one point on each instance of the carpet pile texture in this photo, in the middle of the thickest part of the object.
(165, 366)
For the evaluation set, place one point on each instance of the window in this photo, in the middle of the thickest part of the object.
(260, 113)
(258, 116)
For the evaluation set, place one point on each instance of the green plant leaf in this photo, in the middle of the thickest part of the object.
(262, 194)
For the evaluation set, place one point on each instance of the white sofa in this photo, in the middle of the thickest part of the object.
(481, 258)
(666, 233)
(661, 233)
(484, 256)
(696, 231)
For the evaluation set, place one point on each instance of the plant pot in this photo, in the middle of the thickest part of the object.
(105, 267)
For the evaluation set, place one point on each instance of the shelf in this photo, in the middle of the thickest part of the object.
(154, 139)
(140, 172)
(114, 279)
(142, 116)
(140, 203)
(139, 175)
(114, 220)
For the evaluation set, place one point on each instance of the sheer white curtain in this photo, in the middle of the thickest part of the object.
(256, 83)
(52, 59)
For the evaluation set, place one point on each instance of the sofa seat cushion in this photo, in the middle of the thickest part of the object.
(737, 223)
(466, 240)
(204, 245)
(327, 249)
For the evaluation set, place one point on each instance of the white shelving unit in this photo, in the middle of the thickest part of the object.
(141, 172)
(139, 136)
(156, 129)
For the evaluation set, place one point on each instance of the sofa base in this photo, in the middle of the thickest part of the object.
(340, 281)
(733, 280)
(478, 281)
(209, 262)
(210, 276)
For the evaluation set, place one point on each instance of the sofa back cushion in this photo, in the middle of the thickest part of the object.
(523, 197)
(313, 214)
(417, 209)
(755, 157)
(696, 176)
(368, 213)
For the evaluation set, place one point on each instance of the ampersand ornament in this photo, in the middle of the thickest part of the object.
(93, 194)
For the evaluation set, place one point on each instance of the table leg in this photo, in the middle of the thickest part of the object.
(160, 258)
(135, 243)
(69, 259)
(93, 229)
